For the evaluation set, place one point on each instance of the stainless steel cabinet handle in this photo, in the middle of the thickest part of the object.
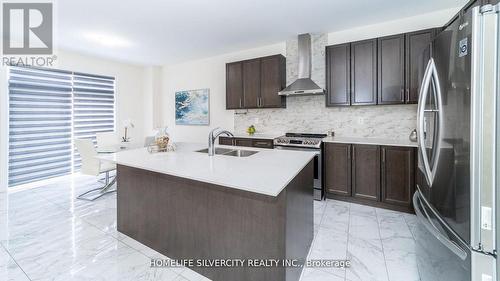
(241, 104)
(407, 94)
(402, 94)
(383, 155)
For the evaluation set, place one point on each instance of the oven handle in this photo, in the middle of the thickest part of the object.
(315, 150)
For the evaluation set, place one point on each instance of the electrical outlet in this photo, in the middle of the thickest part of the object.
(361, 120)
(486, 218)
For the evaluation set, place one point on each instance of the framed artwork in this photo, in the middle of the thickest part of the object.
(192, 107)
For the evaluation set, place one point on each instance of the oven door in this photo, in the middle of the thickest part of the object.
(318, 182)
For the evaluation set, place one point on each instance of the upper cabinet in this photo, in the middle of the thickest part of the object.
(234, 85)
(272, 80)
(418, 54)
(391, 69)
(251, 83)
(385, 70)
(364, 72)
(255, 83)
(338, 75)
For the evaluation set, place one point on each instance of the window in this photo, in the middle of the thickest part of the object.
(47, 110)
(93, 107)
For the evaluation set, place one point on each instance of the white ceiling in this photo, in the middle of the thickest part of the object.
(165, 31)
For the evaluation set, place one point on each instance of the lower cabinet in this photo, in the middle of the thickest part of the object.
(246, 142)
(366, 172)
(338, 173)
(382, 176)
(243, 142)
(398, 175)
(226, 141)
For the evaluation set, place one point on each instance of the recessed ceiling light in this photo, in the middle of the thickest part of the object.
(107, 40)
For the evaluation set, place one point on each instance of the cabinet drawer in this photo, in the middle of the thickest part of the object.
(243, 142)
(263, 143)
(225, 141)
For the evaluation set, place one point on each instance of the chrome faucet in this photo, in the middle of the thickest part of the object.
(212, 136)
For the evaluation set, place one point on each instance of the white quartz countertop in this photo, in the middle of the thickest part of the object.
(267, 172)
(371, 141)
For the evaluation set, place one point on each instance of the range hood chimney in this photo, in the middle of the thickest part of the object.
(303, 85)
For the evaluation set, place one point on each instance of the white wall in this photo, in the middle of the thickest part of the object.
(418, 22)
(205, 73)
(130, 86)
(210, 73)
(152, 99)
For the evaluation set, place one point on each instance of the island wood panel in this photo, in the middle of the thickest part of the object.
(186, 219)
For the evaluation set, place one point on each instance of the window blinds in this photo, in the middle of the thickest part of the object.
(93, 107)
(47, 110)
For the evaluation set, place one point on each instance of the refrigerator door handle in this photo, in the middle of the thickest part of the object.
(430, 79)
(439, 115)
(421, 131)
(423, 218)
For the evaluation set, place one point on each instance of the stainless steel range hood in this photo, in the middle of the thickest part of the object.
(303, 85)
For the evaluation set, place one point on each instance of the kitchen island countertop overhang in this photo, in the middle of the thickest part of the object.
(267, 172)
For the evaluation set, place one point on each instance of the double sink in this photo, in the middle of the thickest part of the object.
(230, 152)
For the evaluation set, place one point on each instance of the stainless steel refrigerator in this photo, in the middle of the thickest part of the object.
(457, 127)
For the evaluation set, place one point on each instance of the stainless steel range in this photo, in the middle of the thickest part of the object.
(306, 142)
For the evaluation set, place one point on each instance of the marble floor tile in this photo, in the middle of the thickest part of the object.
(367, 258)
(311, 274)
(47, 234)
(9, 270)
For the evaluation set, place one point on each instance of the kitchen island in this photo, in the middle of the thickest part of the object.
(187, 205)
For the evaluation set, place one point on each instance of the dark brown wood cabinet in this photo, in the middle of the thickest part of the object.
(364, 72)
(366, 171)
(234, 85)
(397, 175)
(255, 83)
(261, 143)
(381, 176)
(246, 142)
(251, 83)
(338, 75)
(226, 140)
(418, 54)
(391, 69)
(338, 168)
(243, 142)
(272, 80)
(385, 70)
